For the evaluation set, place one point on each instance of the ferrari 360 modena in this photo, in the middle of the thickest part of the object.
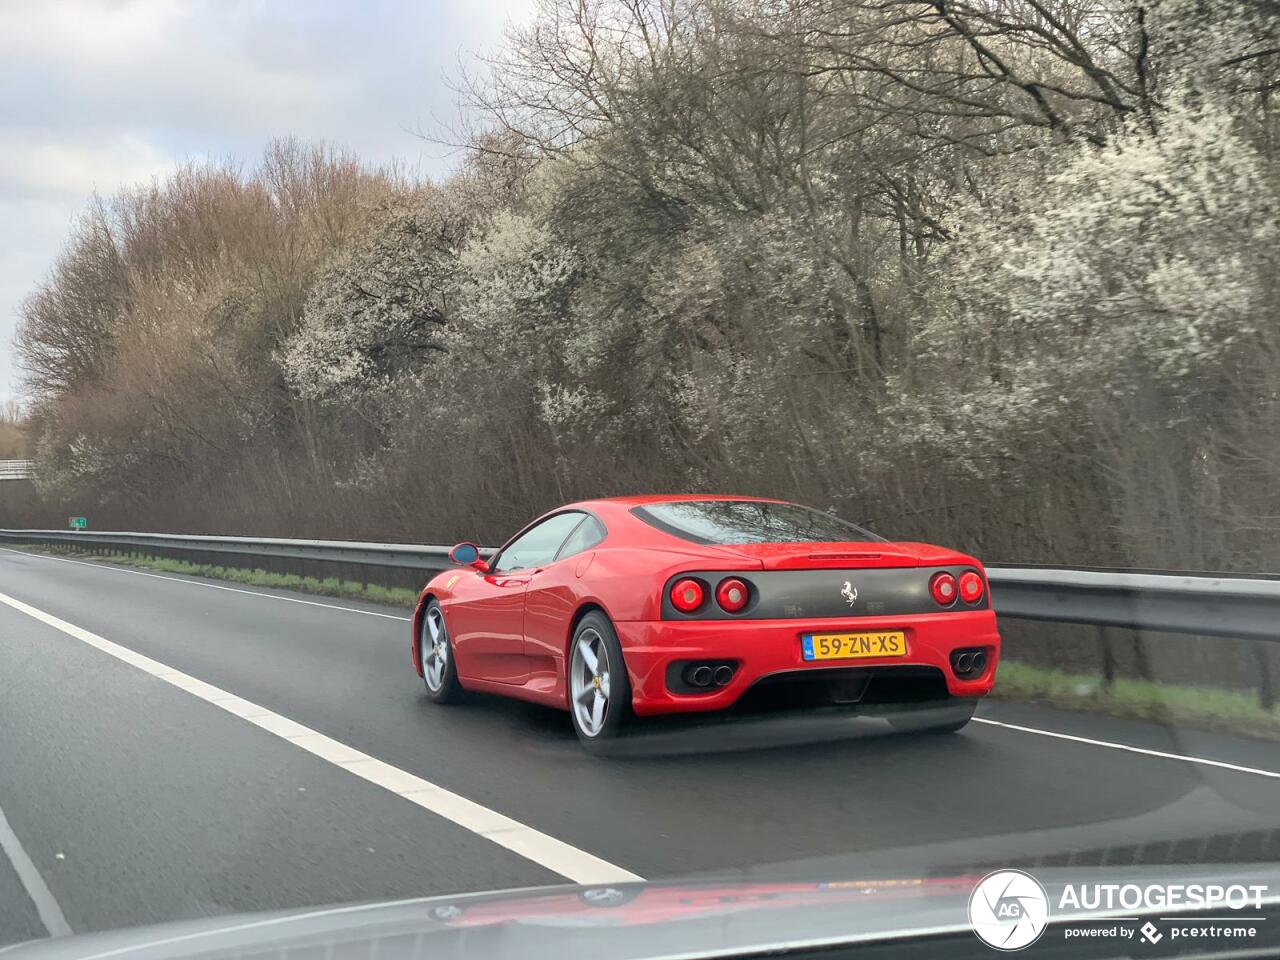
(637, 606)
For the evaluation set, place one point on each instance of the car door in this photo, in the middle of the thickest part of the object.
(550, 600)
(486, 618)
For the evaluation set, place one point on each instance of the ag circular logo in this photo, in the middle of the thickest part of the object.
(1009, 909)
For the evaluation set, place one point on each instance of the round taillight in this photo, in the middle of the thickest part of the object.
(732, 595)
(686, 595)
(970, 587)
(943, 587)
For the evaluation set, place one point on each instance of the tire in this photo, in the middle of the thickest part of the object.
(440, 672)
(599, 692)
(953, 719)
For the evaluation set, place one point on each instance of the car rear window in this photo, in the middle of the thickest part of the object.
(749, 521)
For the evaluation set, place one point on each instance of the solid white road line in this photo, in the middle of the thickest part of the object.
(212, 586)
(1237, 768)
(546, 851)
(46, 904)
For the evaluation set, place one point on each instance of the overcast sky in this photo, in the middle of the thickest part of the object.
(94, 95)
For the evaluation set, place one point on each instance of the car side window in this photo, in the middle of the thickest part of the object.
(537, 545)
(590, 532)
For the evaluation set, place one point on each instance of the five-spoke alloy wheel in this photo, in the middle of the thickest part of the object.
(599, 692)
(438, 671)
(589, 679)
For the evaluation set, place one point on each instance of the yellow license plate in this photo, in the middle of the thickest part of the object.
(853, 646)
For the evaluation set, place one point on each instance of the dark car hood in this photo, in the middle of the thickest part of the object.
(639, 921)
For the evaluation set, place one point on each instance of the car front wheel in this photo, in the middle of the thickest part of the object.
(436, 652)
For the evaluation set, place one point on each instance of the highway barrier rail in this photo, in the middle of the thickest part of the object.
(1227, 605)
(16, 469)
(405, 556)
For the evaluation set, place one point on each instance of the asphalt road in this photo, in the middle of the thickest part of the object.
(135, 791)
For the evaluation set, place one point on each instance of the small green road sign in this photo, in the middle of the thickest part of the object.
(77, 523)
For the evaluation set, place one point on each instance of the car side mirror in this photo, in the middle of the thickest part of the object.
(468, 555)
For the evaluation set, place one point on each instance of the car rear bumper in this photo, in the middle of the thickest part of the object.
(771, 649)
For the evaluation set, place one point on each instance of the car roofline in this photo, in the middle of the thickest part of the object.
(640, 500)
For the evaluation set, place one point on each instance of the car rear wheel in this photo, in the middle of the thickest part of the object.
(949, 720)
(438, 670)
(599, 691)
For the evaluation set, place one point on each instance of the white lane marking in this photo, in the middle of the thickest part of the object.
(1130, 749)
(544, 850)
(46, 904)
(198, 583)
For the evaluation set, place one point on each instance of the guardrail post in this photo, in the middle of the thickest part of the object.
(1266, 691)
(1108, 658)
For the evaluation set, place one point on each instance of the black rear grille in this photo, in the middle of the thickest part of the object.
(844, 685)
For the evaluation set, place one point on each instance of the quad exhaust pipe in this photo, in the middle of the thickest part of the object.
(703, 675)
(969, 663)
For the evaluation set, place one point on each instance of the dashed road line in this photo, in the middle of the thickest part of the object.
(47, 908)
(1204, 761)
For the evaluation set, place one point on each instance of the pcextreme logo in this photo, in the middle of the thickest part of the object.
(1009, 909)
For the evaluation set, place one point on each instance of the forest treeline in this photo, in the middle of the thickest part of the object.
(996, 273)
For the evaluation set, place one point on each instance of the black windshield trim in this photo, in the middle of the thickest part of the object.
(600, 528)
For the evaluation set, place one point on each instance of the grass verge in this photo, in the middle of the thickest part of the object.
(1204, 708)
(328, 586)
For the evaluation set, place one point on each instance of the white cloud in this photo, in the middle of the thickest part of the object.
(32, 165)
(102, 94)
(87, 32)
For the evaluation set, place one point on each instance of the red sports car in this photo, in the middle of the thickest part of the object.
(679, 604)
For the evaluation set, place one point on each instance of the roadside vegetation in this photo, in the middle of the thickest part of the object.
(1002, 276)
(1173, 704)
(13, 439)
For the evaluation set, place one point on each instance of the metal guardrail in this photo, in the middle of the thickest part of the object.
(1204, 604)
(16, 469)
(1214, 605)
(401, 555)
